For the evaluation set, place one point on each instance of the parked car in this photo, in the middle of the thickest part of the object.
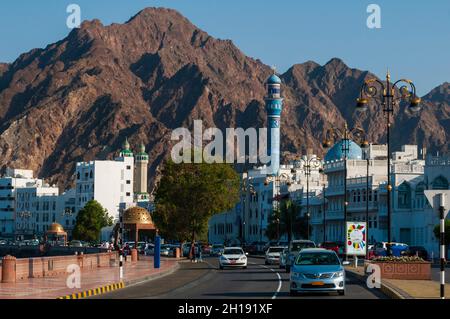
(251, 248)
(393, 248)
(233, 257)
(273, 255)
(418, 251)
(206, 249)
(165, 250)
(283, 257)
(76, 243)
(294, 248)
(317, 270)
(283, 243)
(217, 249)
(149, 249)
(330, 245)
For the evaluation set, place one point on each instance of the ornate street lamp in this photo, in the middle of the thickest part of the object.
(308, 164)
(389, 97)
(247, 187)
(344, 135)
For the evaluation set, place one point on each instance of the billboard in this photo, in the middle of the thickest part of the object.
(356, 239)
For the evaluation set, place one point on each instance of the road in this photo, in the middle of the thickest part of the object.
(206, 281)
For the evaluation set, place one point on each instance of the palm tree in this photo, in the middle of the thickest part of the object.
(285, 221)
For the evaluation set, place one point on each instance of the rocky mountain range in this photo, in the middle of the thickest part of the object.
(79, 98)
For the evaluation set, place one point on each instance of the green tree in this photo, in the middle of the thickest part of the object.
(286, 220)
(90, 220)
(437, 234)
(189, 194)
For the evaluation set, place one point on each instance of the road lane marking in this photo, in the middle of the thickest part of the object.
(280, 282)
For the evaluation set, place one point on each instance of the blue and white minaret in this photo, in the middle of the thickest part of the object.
(274, 106)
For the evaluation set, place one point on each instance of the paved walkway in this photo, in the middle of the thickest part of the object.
(417, 289)
(54, 287)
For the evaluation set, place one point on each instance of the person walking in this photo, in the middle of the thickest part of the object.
(200, 257)
(193, 259)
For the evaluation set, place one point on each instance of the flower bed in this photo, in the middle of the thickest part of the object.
(411, 268)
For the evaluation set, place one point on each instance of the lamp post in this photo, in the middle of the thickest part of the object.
(367, 206)
(308, 164)
(247, 187)
(344, 135)
(324, 216)
(388, 97)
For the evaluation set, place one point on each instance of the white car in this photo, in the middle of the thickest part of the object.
(233, 257)
(273, 255)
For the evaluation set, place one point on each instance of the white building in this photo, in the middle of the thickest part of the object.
(36, 209)
(414, 220)
(13, 179)
(248, 221)
(108, 182)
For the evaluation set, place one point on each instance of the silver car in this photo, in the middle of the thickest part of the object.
(317, 270)
(273, 255)
(294, 248)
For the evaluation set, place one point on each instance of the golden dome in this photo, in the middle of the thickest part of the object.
(137, 215)
(55, 228)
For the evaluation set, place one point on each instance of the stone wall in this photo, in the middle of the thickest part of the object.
(53, 266)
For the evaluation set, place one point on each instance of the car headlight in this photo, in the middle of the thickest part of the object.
(338, 274)
(243, 258)
(297, 275)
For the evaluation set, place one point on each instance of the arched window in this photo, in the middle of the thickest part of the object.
(90, 174)
(440, 182)
(404, 196)
(419, 195)
(78, 175)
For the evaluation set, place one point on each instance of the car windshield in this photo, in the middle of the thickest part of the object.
(317, 258)
(233, 252)
(299, 246)
(275, 249)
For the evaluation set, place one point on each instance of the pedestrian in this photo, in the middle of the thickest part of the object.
(200, 258)
(193, 260)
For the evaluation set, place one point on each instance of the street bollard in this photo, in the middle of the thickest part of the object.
(9, 269)
(157, 254)
(134, 255)
(120, 266)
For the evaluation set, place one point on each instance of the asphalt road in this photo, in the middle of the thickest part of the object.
(206, 281)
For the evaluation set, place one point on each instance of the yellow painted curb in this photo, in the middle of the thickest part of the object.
(94, 291)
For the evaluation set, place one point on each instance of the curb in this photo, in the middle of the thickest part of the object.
(95, 291)
(119, 285)
(388, 290)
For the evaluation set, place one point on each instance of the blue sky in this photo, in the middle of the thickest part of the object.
(413, 42)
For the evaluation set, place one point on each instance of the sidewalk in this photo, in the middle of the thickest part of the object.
(54, 287)
(405, 289)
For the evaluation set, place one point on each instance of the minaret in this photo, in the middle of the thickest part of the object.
(140, 174)
(274, 106)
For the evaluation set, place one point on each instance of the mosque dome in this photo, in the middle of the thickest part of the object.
(137, 215)
(335, 153)
(273, 79)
